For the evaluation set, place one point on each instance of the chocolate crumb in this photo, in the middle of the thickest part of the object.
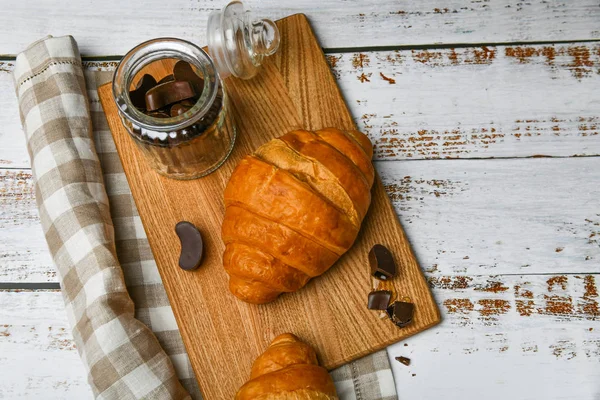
(403, 360)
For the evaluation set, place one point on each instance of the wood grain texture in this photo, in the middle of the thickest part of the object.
(474, 102)
(511, 215)
(507, 335)
(106, 28)
(264, 108)
(38, 358)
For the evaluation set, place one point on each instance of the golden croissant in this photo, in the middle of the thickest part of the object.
(287, 370)
(293, 208)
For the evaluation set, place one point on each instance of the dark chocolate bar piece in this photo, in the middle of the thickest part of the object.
(191, 245)
(401, 313)
(167, 93)
(183, 71)
(178, 109)
(379, 299)
(138, 96)
(167, 78)
(382, 263)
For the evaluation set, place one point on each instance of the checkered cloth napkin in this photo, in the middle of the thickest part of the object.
(120, 315)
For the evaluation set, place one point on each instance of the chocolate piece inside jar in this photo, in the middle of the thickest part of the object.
(401, 313)
(178, 109)
(138, 96)
(191, 245)
(185, 89)
(167, 93)
(183, 71)
(379, 299)
(167, 78)
(158, 114)
(382, 263)
(170, 97)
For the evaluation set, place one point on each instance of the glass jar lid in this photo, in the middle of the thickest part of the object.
(238, 41)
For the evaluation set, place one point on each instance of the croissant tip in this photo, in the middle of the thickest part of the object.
(285, 338)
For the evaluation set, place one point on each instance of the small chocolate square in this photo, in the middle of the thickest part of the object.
(379, 299)
(401, 313)
(382, 263)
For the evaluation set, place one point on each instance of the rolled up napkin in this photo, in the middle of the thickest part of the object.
(124, 360)
(80, 185)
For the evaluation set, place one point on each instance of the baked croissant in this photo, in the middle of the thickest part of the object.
(293, 208)
(287, 370)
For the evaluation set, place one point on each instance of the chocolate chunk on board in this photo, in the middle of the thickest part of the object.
(167, 93)
(183, 71)
(382, 263)
(138, 96)
(401, 313)
(379, 300)
(191, 245)
(403, 360)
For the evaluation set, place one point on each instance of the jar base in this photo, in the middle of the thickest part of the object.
(201, 174)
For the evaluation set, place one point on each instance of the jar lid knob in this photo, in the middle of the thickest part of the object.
(238, 42)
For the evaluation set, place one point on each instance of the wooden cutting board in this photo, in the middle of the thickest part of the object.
(223, 335)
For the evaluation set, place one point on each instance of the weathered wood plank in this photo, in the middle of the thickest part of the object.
(478, 102)
(13, 152)
(508, 337)
(107, 27)
(38, 358)
(24, 254)
(495, 331)
(500, 216)
(462, 217)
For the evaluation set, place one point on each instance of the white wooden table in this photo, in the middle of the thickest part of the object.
(486, 120)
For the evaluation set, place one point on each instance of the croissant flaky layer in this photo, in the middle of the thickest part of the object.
(288, 370)
(293, 208)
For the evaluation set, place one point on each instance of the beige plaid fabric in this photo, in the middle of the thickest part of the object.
(123, 358)
(111, 286)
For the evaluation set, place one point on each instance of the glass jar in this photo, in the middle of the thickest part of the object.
(193, 143)
(189, 145)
